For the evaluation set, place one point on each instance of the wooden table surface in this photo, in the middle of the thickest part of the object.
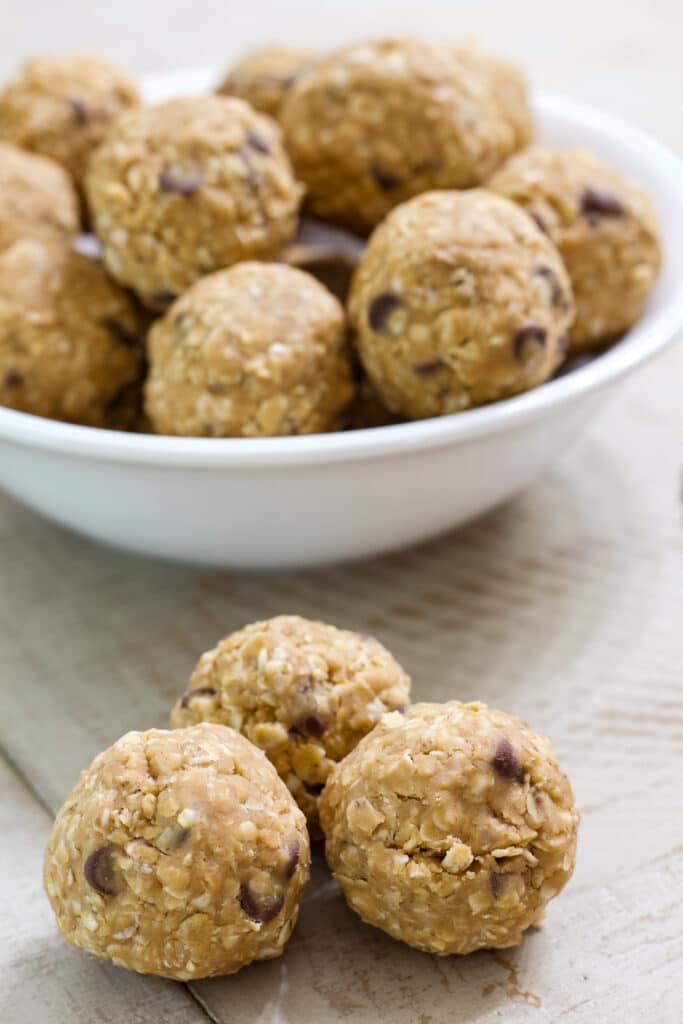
(564, 606)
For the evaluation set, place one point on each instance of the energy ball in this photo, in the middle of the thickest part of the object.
(63, 107)
(303, 691)
(450, 827)
(255, 350)
(180, 854)
(265, 77)
(38, 198)
(183, 189)
(458, 300)
(377, 123)
(508, 87)
(71, 343)
(604, 227)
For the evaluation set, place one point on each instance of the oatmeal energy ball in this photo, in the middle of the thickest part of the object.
(450, 827)
(183, 189)
(379, 122)
(70, 339)
(255, 350)
(605, 230)
(180, 854)
(458, 300)
(304, 691)
(63, 107)
(264, 77)
(38, 198)
(508, 88)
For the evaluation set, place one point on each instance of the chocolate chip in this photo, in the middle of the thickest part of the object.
(381, 308)
(528, 334)
(292, 859)
(256, 142)
(505, 762)
(304, 684)
(401, 708)
(600, 202)
(557, 295)
(13, 379)
(128, 338)
(497, 883)
(179, 183)
(161, 299)
(253, 177)
(99, 871)
(428, 369)
(313, 725)
(314, 788)
(79, 110)
(385, 179)
(538, 220)
(199, 691)
(257, 907)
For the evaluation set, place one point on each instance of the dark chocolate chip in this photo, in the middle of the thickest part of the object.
(600, 202)
(13, 379)
(539, 222)
(497, 883)
(292, 859)
(199, 691)
(128, 338)
(257, 907)
(381, 308)
(314, 788)
(313, 725)
(528, 334)
(557, 295)
(256, 142)
(253, 177)
(505, 762)
(79, 110)
(179, 183)
(99, 871)
(384, 179)
(428, 369)
(161, 299)
(401, 708)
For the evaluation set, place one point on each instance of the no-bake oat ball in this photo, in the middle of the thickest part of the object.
(508, 87)
(182, 189)
(38, 198)
(303, 691)
(71, 343)
(265, 77)
(458, 300)
(379, 122)
(255, 350)
(180, 854)
(450, 827)
(602, 224)
(63, 107)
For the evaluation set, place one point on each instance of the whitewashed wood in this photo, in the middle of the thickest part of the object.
(565, 607)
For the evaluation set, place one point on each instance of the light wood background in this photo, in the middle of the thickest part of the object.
(565, 607)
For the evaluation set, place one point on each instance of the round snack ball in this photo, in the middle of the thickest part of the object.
(377, 123)
(602, 224)
(508, 87)
(38, 198)
(458, 300)
(264, 77)
(180, 854)
(255, 350)
(71, 343)
(62, 107)
(450, 827)
(304, 691)
(183, 189)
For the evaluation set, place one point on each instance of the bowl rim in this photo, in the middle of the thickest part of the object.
(110, 445)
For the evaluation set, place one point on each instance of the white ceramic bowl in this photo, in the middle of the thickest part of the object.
(303, 501)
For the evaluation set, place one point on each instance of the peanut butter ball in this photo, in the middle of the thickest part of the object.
(38, 198)
(183, 189)
(450, 827)
(265, 77)
(180, 854)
